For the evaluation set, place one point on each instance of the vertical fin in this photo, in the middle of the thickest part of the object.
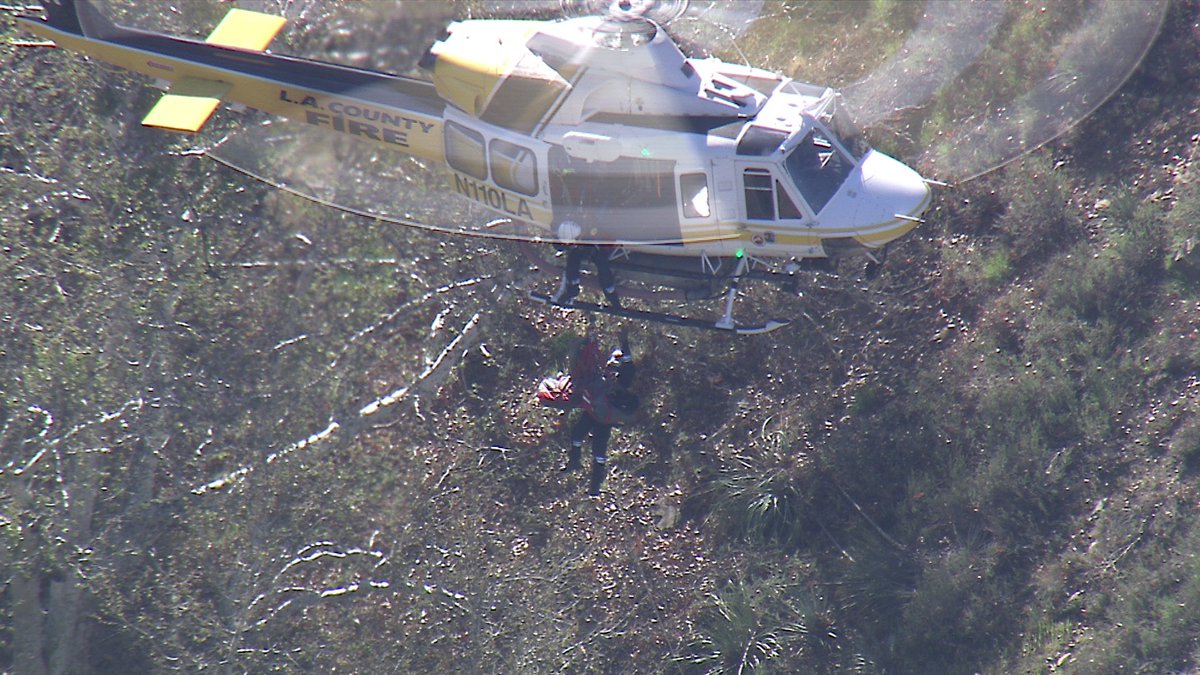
(63, 15)
(79, 17)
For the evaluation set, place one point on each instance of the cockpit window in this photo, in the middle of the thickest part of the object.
(784, 204)
(760, 141)
(847, 132)
(818, 168)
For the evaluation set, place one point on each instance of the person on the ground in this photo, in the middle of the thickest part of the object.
(605, 402)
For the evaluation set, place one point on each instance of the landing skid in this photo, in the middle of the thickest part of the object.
(682, 277)
(668, 319)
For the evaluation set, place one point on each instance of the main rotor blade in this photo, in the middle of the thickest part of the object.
(958, 88)
(949, 39)
(1087, 65)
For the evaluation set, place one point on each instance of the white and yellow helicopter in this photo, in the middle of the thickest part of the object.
(597, 130)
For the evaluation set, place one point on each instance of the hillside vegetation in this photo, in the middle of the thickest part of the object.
(242, 432)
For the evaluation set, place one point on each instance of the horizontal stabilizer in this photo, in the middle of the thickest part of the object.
(188, 105)
(244, 29)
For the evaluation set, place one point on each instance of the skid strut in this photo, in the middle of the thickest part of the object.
(726, 320)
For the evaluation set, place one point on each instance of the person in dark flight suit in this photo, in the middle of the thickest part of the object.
(606, 402)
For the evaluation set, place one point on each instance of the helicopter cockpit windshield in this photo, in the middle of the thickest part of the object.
(842, 126)
(818, 166)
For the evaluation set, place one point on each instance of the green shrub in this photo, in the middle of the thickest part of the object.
(1045, 639)
(958, 602)
(1185, 444)
(997, 267)
(977, 267)
(767, 624)
(879, 583)
(1182, 241)
(1037, 218)
(868, 399)
(1111, 285)
(1152, 623)
(759, 505)
(735, 636)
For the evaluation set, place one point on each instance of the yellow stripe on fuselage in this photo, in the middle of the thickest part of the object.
(896, 228)
(880, 237)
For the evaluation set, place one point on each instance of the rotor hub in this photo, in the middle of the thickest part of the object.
(661, 12)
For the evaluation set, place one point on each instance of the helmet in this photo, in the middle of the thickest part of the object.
(569, 231)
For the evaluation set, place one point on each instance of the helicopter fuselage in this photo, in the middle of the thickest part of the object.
(581, 131)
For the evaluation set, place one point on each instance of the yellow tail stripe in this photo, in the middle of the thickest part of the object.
(243, 29)
(187, 106)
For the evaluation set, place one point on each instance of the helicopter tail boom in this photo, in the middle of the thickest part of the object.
(240, 29)
(193, 96)
(231, 65)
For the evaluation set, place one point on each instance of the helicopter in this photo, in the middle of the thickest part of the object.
(593, 130)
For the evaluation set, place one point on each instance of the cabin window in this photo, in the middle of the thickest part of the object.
(514, 167)
(760, 203)
(693, 192)
(464, 150)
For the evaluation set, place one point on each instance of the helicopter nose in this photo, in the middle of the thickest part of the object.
(890, 202)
